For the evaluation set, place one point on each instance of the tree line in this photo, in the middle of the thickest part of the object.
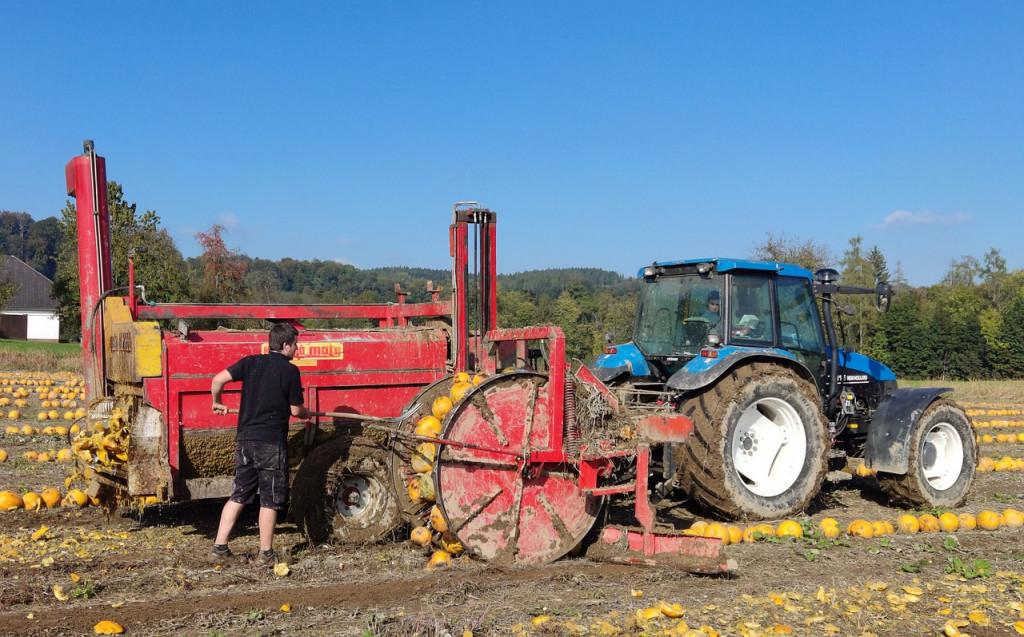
(968, 326)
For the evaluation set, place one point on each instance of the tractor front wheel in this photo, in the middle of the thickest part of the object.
(342, 492)
(943, 460)
(758, 449)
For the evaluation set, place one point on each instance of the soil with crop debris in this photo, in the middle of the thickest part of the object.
(149, 572)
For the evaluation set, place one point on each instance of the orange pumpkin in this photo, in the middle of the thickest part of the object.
(929, 523)
(988, 520)
(908, 524)
(860, 528)
(421, 535)
(949, 522)
(789, 528)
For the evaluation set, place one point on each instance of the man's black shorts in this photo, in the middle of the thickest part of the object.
(263, 466)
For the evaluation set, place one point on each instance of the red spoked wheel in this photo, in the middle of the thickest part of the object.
(503, 508)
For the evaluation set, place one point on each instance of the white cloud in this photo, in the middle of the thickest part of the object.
(907, 219)
(229, 220)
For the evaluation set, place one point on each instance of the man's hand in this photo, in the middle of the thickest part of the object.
(220, 409)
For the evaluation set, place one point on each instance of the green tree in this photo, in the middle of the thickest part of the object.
(1010, 361)
(903, 337)
(7, 291)
(858, 270)
(161, 269)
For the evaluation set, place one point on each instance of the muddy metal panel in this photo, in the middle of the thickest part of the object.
(373, 372)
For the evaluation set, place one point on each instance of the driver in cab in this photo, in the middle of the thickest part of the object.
(712, 309)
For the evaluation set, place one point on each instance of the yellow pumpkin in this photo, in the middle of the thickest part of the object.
(463, 377)
(427, 487)
(440, 407)
(789, 528)
(421, 535)
(908, 524)
(459, 391)
(860, 528)
(451, 544)
(3, 455)
(75, 497)
(879, 529)
(31, 501)
(830, 532)
(422, 459)
(437, 520)
(429, 426)
(51, 497)
(479, 378)
(929, 523)
(949, 521)
(967, 521)
(439, 558)
(716, 529)
(10, 500)
(107, 627)
(988, 520)
(1013, 518)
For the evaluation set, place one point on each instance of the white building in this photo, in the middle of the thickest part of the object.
(32, 314)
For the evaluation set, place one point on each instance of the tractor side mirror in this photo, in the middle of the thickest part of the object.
(883, 297)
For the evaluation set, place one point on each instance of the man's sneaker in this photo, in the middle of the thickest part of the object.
(266, 558)
(220, 553)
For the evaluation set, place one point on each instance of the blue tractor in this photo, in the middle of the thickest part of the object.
(748, 351)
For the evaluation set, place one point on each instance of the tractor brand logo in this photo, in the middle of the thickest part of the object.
(309, 353)
(855, 378)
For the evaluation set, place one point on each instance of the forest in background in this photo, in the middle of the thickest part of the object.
(969, 326)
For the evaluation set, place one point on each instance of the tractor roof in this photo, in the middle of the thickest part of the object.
(725, 264)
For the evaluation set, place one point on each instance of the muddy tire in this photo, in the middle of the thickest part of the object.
(758, 449)
(943, 460)
(342, 493)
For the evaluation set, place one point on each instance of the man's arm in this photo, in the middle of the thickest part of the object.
(216, 387)
(300, 411)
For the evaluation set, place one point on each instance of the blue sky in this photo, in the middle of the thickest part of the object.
(604, 134)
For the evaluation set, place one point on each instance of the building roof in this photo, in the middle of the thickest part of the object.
(34, 291)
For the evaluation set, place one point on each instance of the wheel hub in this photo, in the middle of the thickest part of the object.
(769, 447)
(351, 499)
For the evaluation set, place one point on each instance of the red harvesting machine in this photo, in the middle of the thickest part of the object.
(524, 462)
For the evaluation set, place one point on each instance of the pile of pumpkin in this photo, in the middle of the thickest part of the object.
(104, 443)
(434, 530)
(47, 498)
(15, 392)
(829, 527)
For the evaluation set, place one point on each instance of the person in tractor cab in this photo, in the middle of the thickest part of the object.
(712, 309)
(271, 394)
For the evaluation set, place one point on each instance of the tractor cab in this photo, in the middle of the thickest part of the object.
(695, 310)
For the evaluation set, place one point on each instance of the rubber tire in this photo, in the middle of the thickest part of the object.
(316, 485)
(912, 488)
(706, 471)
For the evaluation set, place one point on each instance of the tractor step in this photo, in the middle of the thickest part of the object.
(628, 545)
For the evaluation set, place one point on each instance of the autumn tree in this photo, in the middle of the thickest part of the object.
(223, 279)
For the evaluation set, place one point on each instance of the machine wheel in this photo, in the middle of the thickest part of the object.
(758, 449)
(504, 508)
(342, 492)
(943, 460)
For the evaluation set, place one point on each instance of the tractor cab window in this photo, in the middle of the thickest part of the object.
(750, 316)
(676, 314)
(799, 322)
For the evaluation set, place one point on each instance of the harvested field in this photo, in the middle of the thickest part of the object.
(148, 571)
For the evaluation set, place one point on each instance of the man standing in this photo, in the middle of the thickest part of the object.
(271, 394)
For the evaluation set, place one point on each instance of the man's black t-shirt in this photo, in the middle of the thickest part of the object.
(270, 386)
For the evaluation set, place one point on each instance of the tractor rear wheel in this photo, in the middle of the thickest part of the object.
(758, 449)
(943, 460)
(342, 492)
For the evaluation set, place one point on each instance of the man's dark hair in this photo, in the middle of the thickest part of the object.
(282, 334)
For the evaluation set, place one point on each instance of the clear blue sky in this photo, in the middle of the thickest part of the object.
(605, 134)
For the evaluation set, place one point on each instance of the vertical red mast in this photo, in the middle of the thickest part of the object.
(465, 214)
(86, 178)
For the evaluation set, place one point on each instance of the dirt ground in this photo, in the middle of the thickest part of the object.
(149, 572)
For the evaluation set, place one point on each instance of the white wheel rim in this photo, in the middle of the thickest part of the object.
(942, 456)
(355, 496)
(769, 447)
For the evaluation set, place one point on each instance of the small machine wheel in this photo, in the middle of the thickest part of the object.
(943, 460)
(342, 492)
(758, 447)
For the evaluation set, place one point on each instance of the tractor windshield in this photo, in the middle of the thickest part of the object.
(676, 314)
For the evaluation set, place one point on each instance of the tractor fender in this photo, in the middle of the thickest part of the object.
(702, 372)
(627, 359)
(892, 427)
